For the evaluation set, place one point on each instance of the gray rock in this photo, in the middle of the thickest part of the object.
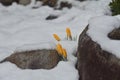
(51, 17)
(87, 0)
(9, 2)
(24, 2)
(94, 63)
(65, 5)
(34, 59)
(6, 2)
(115, 34)
(51, 3)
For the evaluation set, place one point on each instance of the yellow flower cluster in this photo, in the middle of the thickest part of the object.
(62, 52)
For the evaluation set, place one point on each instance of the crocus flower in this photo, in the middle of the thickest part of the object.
(59, 49)
(64, 54)
(56, 37)
(68, 32)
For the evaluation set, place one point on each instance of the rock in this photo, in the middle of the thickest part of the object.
(93, 63)
(35, 59)
(115, 34)
(51, 17)
(54, 4)
(6, 2)
(24, 2)
(65, 5)
(87, 0)
(9, 2)
(51, 3)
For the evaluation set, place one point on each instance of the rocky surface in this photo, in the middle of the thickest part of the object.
(24, 2)
(8, 2)
(54, 4)
(65, 5)
(35, 59)
(94, 63)
(51, 3)
(115, 34)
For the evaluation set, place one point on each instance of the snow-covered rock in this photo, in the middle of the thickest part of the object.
(99, 29)
(98, 55)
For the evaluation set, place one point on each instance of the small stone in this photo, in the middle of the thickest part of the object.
(115, 34)
(6, 2)
(51, 3)
(65, 5)
(51, 17)
(24, 2)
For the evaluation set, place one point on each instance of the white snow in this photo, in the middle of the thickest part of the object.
(99, 28)
(24, 28)
(118, 16)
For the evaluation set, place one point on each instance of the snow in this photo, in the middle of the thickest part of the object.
(24, 28)
(56, 73)
(118, 16)
(99, 28)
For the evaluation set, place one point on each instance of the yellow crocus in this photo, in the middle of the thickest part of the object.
(59, 49)
(68, 32)
(56, 37)
(64, 53)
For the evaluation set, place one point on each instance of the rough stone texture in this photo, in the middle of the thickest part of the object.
(51, 3)
(87, 0)
(24, 2)
(54, 4)
(115, 34)
(94, 63)
(35, 59)
(65, 5)
(8, 2)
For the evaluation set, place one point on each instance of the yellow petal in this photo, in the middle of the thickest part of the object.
(68, 32)
(59, 49)
(64, 53)
(56, 37)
